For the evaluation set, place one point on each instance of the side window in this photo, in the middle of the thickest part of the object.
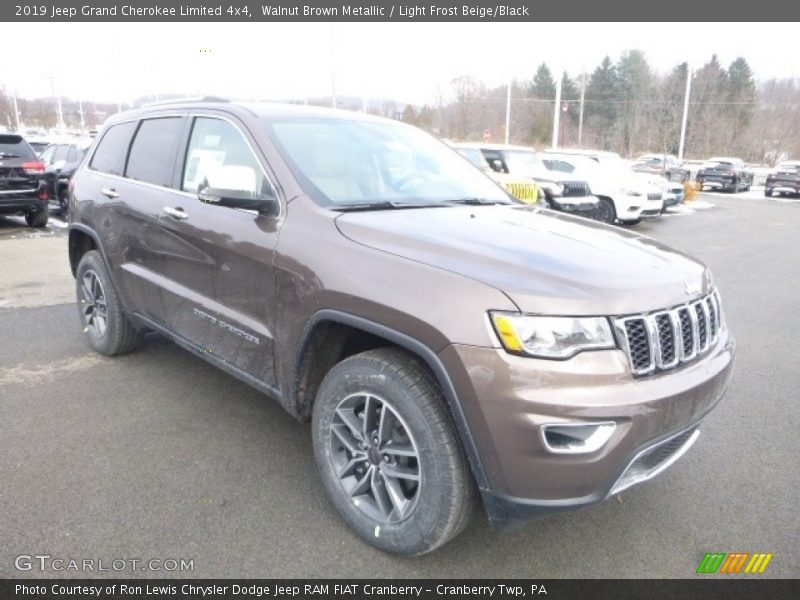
(152, 155)
(495, 160)
(216, 148)
(110, 154)
(60, 153)
(47, 155)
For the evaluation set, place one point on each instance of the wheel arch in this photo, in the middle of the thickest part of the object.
(323, 346)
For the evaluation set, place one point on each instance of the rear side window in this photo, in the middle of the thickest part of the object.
(13, 146)
(61, 153)
(110, 153)
(47, 156)
(153, 150)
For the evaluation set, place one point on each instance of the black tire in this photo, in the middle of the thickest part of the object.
(442, 500)
(768, 192)
(37, 219)
(606, 212)
(106, 327)
(63, 203)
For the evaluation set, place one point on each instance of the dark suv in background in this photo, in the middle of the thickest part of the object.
(60, 161)
(450, 345)
(20, 189)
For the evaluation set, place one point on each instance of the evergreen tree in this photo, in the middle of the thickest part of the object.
(544, 86)
(409, 115)
(601, 102)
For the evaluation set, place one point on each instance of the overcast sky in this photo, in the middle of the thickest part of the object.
(405, 61)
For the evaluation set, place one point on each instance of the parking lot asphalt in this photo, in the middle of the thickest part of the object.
(159, 455)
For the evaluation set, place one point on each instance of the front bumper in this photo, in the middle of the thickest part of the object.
(575, 204)
(508, 398)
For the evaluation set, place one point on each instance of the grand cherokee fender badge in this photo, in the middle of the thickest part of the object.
(227, 326)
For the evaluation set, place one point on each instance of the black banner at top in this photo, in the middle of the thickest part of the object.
(403, 11)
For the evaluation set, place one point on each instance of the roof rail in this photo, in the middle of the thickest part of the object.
(189, 99)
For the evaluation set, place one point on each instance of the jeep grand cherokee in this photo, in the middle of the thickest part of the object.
(450, 346)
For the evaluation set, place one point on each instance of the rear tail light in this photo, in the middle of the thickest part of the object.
(33, 168)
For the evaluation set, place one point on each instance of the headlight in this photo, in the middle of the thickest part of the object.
(631, 192)
(551, 337)
(555, 189)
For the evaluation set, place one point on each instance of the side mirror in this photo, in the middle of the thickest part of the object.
(235, 186)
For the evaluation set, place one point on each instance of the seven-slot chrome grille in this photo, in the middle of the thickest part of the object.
(575, 189)
(663, 339)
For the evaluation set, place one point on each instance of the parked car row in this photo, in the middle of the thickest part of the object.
(593, 184)
(35, 183)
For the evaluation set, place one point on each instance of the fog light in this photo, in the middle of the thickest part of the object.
(576, 438)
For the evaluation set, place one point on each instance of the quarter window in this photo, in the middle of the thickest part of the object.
(61, 153)
(152, 155)
(110, 153)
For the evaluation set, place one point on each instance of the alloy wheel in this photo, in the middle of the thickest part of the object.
(95, 313)
(375, 458)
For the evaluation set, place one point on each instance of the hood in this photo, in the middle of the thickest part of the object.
(546, 262)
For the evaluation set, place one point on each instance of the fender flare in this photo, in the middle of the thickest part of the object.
(428, 356)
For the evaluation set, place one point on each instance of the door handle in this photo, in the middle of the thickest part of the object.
(109, 193)
(176, 213)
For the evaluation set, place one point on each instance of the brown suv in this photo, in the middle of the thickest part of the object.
(449, 345)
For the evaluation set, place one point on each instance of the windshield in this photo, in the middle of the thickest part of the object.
(341, 162)
(474, 156)
(521, 161)
(713, 163)
(13, 146)
(789, 167)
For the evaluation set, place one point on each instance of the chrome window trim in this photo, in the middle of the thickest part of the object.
(191, 115)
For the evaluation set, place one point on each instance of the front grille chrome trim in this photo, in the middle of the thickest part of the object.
(653, 343)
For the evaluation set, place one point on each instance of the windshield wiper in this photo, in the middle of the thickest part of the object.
(4, 155)
(383, 205)
(475, 201)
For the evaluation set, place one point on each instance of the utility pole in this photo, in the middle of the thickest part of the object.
(16, 110)
(58, 103)
(80, 110)
(508, 111)
(580, 118)
(685, 111)
(557, 113)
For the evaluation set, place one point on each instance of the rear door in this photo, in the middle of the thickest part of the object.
(128, 174)
(219, 287)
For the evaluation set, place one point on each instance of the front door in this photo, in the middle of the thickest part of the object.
(219, 287)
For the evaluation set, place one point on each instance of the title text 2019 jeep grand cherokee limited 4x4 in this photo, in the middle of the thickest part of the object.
(449, 345)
